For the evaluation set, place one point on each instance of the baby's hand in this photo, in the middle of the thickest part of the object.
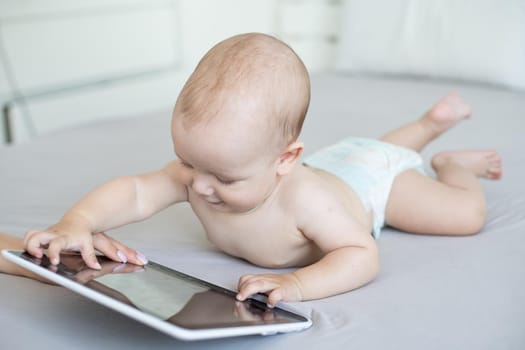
(74, 237)
(285, 287)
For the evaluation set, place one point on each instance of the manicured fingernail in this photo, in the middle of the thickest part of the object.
(122, 256)
(97, 266)
(142, 258)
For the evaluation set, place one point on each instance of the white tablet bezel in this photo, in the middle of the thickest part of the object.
(154, 322)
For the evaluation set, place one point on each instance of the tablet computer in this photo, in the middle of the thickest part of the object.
(170, 301)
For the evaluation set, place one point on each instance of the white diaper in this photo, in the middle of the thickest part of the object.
(369, 166)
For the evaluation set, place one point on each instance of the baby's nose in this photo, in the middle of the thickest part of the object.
(201, 185)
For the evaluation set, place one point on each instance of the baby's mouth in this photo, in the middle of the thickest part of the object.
(213, 200)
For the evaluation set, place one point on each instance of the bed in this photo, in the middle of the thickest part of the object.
(432, 292)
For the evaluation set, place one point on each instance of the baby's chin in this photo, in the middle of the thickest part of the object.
(234, 209)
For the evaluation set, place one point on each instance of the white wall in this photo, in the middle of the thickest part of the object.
(125, 57)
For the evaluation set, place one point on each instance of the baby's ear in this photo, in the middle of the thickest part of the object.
(289, 157)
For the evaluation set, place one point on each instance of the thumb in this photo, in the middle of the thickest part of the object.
(274, 297)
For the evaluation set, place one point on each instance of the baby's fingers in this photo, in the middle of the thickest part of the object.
(85, 246)
(36, 241)
(253, 284)
(56, 245)
(88, 255)
(275, 296)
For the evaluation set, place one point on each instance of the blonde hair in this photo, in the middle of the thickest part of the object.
(250, 66)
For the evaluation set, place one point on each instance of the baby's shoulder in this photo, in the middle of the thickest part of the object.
(311, 189)
(322, 202)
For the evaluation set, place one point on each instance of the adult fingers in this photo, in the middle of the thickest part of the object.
(131, 255)
(106, 246)
(117, 251)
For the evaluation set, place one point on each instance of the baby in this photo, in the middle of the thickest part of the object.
(235, 132)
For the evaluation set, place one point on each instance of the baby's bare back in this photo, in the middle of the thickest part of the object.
(271, 235)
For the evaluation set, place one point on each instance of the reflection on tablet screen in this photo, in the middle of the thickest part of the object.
(167, 294)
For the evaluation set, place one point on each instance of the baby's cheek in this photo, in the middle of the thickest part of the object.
(240, 201)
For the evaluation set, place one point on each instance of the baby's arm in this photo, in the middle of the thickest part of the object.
(351, 260)
(341, 270)
(114, 204)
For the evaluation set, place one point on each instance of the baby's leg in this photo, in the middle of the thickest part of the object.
(454, 204)
(486, 164)
(441, 117)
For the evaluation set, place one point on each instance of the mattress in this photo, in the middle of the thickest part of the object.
(431, 293)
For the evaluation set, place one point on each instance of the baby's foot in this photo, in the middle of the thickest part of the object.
(485, 164)
(447, 112)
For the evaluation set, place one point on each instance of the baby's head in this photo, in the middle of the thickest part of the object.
(255, 74)
(245, 101)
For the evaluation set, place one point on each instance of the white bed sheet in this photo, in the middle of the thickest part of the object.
(432, 292)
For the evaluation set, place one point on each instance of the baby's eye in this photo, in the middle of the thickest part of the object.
(186, 165)
(225, 182)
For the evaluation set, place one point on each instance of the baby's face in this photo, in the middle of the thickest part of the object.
(230, 169)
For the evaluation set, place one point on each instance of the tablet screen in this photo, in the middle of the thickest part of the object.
(167, 294)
